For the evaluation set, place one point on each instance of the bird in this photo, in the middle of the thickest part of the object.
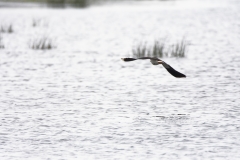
(156, 61)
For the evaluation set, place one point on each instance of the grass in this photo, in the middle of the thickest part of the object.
(35, 22)
(144, 50)
(6, 29)
(179, 49)
(157, 49)
(43, 43)
(1, 44)
(160, 49)
(140, 50)
(59, 3)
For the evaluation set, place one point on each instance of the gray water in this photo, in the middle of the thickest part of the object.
(80, 101)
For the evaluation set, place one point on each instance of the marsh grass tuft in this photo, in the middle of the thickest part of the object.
(43, 43)
(6, 29)
(160, 49)
(1, 44)
(144, 50)
(179, 49)
(140, 50)
(35, 22)
(157, 49)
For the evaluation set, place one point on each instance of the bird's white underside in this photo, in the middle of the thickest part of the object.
(157, 62)
(154, 62)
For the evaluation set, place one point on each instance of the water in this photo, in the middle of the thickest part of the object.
(80, 101)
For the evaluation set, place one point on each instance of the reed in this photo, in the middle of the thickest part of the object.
(35, 22)
(1, 44)
(179, 49)
(43, 43)
(159, 48)
(140, 50)
(6, 28)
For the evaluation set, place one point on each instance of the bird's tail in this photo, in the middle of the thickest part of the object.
(128, 59)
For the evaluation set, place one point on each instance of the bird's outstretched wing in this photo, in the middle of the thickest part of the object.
(133, 59)
(128, 59)
(171, 70)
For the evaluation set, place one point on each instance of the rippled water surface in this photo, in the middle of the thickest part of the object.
(80, 101)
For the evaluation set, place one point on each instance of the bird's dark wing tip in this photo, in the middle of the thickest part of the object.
(175, 73)
(128, 59)
(183, 76)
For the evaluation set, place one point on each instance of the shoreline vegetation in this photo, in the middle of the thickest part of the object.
(58, 3)
(51, 3)
(1, 43)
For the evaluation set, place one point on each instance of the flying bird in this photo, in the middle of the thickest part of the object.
(156, 61)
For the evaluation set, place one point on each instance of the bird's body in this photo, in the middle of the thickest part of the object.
(156, 61)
